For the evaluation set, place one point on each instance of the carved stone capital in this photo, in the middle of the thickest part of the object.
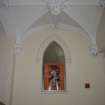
(18, 47)
(102, 3)
(93, 50)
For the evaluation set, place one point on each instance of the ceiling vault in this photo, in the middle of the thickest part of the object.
(56, 13)
(52, 3)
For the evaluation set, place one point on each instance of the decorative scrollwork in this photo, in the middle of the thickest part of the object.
(55, 6)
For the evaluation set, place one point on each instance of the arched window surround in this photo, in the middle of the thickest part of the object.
(46, 42)
(42, 48)
(54, 68)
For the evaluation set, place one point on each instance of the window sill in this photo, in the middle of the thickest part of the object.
(54, 92)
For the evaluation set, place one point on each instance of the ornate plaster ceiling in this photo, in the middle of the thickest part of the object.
(51, 2)
(84, 14)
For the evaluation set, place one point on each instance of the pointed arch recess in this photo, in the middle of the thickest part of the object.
(46, 42)
(54, 68)
(67, 59)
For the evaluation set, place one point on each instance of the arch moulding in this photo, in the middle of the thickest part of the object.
(58, 39)
(45, 43)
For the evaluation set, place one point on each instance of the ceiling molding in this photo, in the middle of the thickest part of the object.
(26, 3)
(83, 3)
(44, 2)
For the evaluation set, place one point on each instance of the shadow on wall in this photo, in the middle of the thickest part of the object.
(2, 103)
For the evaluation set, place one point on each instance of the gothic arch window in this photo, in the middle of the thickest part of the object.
(54, 68)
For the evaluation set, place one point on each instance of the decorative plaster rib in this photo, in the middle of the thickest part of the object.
(92, 47)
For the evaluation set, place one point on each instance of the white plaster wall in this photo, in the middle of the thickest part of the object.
(6, 66)
(2, 66)
(101, 33)
(83, 67)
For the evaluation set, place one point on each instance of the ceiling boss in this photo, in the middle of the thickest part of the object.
(55, 6)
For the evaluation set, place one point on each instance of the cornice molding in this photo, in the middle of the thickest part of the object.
(45, 2)
(26, 3)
